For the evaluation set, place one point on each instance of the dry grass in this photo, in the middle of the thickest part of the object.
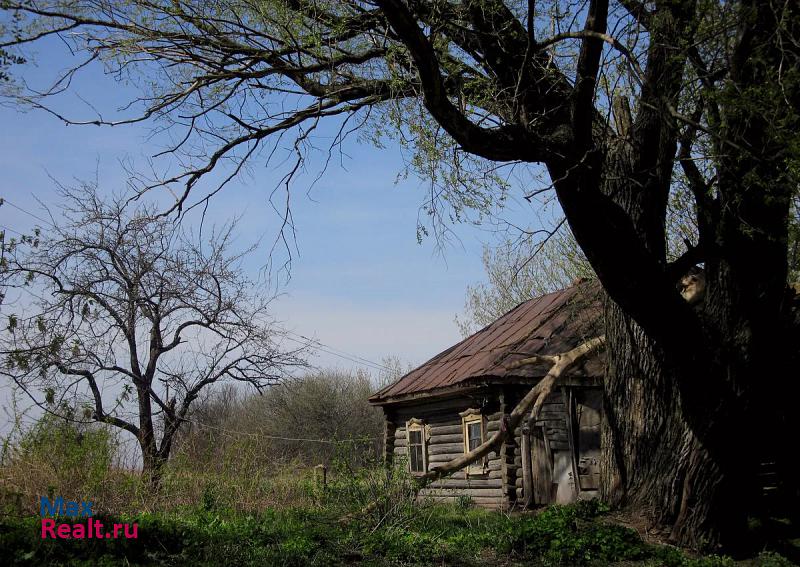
(118, 491)
(239, 473)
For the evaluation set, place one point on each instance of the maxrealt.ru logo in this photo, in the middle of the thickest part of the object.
(72, 510)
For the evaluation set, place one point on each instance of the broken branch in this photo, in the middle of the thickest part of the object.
(532, 401)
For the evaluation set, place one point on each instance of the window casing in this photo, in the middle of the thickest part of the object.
(417, 436)
(473, 425)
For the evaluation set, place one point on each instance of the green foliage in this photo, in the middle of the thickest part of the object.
(569, 535)
(794, 240)
(392, 491)
(772, 559)
(329, 406)
(435, 535)
(465, 502)
(199, 538)
(9, 26)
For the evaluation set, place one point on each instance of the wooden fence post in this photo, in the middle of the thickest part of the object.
(321, 475)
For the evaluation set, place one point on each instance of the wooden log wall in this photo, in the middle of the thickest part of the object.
(553, 418)
(389, 427)
(502, 485)
(446, 443)
(509, 470)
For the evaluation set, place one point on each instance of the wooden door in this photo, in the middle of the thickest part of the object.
(542, 467)
(588, 409)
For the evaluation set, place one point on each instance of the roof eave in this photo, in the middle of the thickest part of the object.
(475, 382)
(455, 389)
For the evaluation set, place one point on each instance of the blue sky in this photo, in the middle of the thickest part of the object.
(360, 282)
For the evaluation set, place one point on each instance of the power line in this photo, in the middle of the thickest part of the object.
(11, 230)
(341, 354)
(349, 354)
(30, 214)
(279, 438)
(344, 354)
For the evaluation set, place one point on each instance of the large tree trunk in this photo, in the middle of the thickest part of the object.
(152, 459)
(654, 465)
(691, 464)
(153, 469)
(695, 400)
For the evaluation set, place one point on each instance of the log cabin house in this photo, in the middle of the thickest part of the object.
(453, 402)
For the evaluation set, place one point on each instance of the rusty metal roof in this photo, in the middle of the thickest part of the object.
(549, 324)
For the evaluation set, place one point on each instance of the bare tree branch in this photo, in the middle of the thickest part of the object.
(104, 288)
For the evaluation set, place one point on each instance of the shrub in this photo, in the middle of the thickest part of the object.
(772, 559)
(571, 535)
(58, 456)
(251, 431)
(391, 491)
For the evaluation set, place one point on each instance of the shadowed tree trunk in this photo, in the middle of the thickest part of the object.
(152, 459)
(652, 462)
(700, 481)
(693, 395)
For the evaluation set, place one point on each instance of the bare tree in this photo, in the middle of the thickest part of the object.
(619, 100)
(124, 314)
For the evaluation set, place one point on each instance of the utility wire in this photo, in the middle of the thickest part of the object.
(277, 437)
(30, 214)
(360, 358)
(11, 230)
(338, 352)
(333, 353)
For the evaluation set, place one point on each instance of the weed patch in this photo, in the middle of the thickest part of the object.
(437, 535)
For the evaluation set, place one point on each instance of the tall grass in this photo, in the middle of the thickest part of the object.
(25, 478)
(240, 509)
(240, 452)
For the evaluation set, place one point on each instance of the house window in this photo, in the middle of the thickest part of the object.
(474, 435)
(417, 446)
(474, 428)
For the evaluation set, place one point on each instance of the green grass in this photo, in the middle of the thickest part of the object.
(434, 535)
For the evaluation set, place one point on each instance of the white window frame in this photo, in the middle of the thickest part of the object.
(415, 424)
(469, 417)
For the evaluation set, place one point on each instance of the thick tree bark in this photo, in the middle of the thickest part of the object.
(153, 469)
(653, 463)
(696, 475)
(152, 459)
(694, 400)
